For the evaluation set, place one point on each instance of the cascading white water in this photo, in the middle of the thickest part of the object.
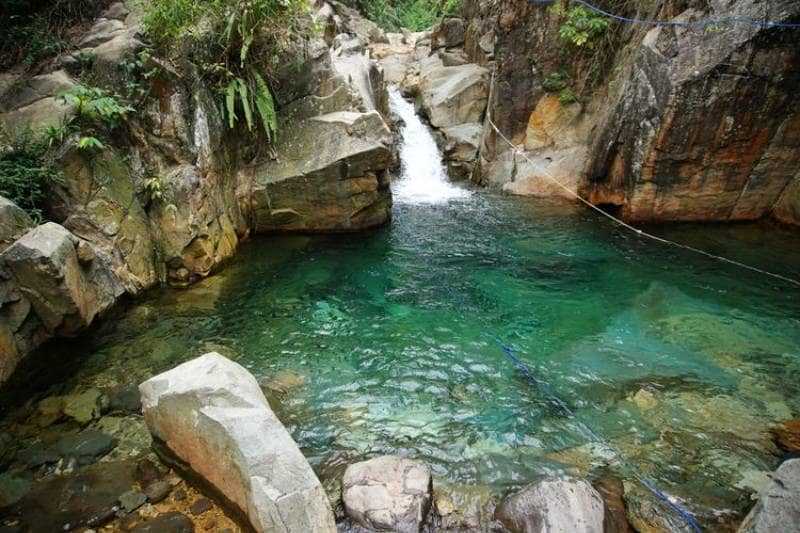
(423, 179)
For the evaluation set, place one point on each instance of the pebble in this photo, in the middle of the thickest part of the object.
(179, 495)
(157, 491)
(200, 506)
(132, 500)
(86, 447)
(211, 523)
(172, 522)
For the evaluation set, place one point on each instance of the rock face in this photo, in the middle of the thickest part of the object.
(211, 414)
(779, 506)
(557, 504)
(678, 124)
(388, 493)
(450, 96)
(175, 191)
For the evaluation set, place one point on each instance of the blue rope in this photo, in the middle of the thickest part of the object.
(542, 385)
(689, 24)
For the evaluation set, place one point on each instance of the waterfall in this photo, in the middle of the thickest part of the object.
(423, 178)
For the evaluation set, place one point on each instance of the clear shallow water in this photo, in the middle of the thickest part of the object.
(377, 343)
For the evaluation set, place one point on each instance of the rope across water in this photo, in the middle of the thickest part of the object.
(686, 24)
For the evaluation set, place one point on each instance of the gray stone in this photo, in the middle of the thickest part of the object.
(200, 506)
(13, 220)
(64, 296)
(211, 414)
(36, 88)
(778, 509)
(388, 493)
(330, 175)
(86, 447)
(449, 33)
(124, 398)
(83, 407)
(132, 500)
(450, 96)
(172, 522)
(13, 487)
(554, 504)
(158, 491)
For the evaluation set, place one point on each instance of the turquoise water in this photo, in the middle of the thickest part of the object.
(383, 343)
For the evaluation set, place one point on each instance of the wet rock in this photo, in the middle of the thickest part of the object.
(132, 500)
(612, 490)
(158, 491)
(180, 495)
(37, 455)
(13, 487)
(124, 399)
(463, 507)
(148, 472)
(85, 447)
(787, 438)
(778, 509)
(645, 513)
(86, 497)
(172, 522)
(200, 506)
(210, 524)
(553, 504)
(211, 414)
(83, 407)
(387, 493)
(6, 449)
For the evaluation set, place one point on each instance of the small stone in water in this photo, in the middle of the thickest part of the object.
(172, 522)
(132, 500)
(200, 506)
(157, 491)
(211, 523)
(179, 496)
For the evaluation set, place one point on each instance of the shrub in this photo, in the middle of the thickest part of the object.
(247, 33)
(415, 15)
(568, 97)
(580, 26)
(26, 171)
(556, 81)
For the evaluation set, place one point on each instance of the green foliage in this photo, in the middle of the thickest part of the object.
(246, 34)
(568, 97)
(580, 26)
(95, 105)
(89, 143)
(136, 77)
(556, 81)
(153, 186)
(26, 171)
(415, 15)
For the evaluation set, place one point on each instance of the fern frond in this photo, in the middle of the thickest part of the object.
(265, 106)
(230, 102)
(248, 113)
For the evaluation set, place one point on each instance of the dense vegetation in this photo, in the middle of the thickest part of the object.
(237, 42)
(34, 30)
(415, 15)
(26, 170)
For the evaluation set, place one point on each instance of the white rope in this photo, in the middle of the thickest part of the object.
(628, 226)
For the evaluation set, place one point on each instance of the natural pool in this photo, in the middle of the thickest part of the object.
(387, 343)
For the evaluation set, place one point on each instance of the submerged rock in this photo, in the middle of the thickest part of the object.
(554, 504)
(172, 522)
(87, 497)
(788, 437)
(388, 493)
(779, 506)
(211, 414)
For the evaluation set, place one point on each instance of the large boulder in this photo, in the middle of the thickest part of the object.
(553, 505)
(65, 292)
(778, 509)
(388, 493)
(210, 413)
(450, 96)
(331, 175)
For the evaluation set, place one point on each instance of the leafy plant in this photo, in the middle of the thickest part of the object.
(26, 171)
(415, 15)
(568, 97)
(243, 34)
(580, 26)
(153, 187)
(97, 110)
(556, 81)
(89, 142)
(135, 75)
